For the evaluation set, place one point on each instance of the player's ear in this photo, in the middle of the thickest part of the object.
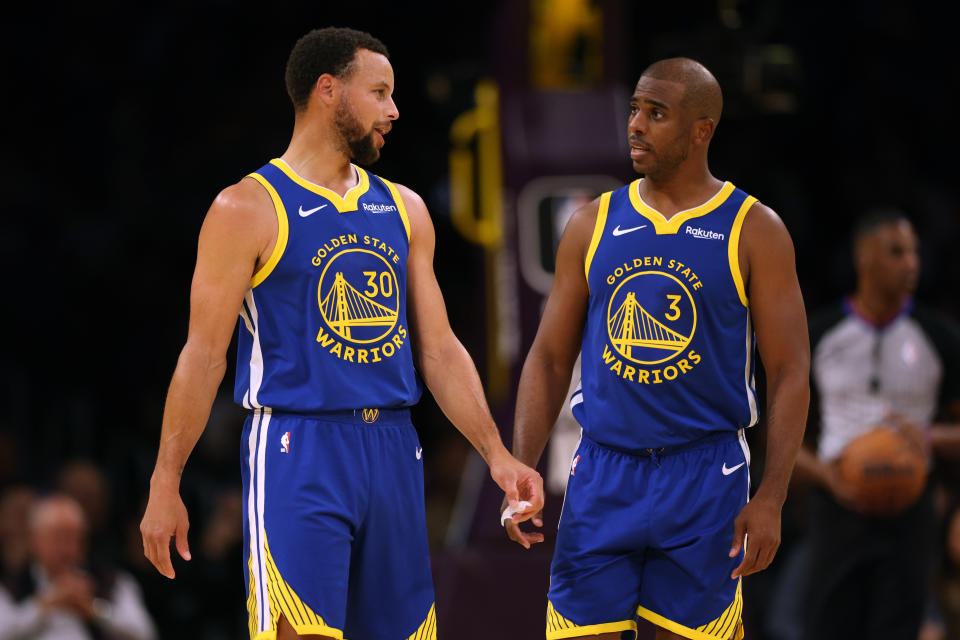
(703, 130)
(325, 89)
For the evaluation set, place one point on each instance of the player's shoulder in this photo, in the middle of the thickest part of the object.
(585, 217)
(410, 197)
(762, 220)
(245, 208)
(243, 197)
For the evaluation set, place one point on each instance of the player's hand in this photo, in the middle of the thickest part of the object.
(519, 482)
(514, 532)
(759, 524)
(164, 518)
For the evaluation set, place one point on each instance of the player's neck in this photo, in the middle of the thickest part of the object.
(679, 191)
(315, 156)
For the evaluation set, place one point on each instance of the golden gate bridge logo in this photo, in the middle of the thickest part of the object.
(363, 313)
(657, 329)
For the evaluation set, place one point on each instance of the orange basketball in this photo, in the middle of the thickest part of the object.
(886, 473)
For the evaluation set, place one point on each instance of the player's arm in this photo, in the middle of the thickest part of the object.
(235, 232)
(780, 323)
(448, 369)
(546, 373)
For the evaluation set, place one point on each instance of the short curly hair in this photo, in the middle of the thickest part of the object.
(329, 50)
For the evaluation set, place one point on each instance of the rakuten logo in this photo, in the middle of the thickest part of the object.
(697, 232)
(379, 208)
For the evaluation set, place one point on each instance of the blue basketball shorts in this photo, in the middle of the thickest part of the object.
(648, 534)
(334, 527)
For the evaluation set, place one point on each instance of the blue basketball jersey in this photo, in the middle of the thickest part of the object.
(323, 326)
(668, 347)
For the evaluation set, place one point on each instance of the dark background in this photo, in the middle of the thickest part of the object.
(123, 121)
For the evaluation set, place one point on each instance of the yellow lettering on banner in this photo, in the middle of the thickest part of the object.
(348, 354)
(670, 372)
(616, 367)
(337, 350)
(362, 355)
(376, 354)
(387, 348)
(628, 373)
(684, 365)
(643, 376)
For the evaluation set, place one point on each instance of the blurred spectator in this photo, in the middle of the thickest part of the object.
(57, 598)
(15, 506)
(84, 481)
(877, 359)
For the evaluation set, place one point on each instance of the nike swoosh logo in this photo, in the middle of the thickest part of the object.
(419, 452)
(617, 231)
(728, 470)
(304, 214)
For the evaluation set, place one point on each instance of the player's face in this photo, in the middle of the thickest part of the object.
(658, 130)
(893, 257)
(366, 109)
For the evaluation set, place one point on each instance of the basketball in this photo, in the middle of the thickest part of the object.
(885, 472)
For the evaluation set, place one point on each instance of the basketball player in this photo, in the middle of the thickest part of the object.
(663, 285)
(330, 269)
(877, 358)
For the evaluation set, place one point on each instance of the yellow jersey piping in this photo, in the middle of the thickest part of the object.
(348, 202)
(671, 226)
(400, 206)
(733, 249)
(283, 232)
(597, 233)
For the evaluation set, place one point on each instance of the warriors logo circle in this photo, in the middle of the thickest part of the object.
(651, 317)
(358, 296)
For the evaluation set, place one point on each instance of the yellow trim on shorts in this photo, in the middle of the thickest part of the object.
(597, 233)
(723, 627)
(343, 204)
(427, 630)
(400, 206)
(733, 248)
(671, 226)
(283, 232)
(252, 621)
(283, 599)
(559, 627)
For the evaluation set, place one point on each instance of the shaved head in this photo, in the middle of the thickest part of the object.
(702, 97)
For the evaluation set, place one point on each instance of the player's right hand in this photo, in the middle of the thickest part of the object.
(523, 538)
(164, 518)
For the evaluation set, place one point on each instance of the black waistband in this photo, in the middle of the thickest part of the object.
(711, 439)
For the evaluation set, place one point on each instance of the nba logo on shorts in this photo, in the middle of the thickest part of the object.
(285, 443)
(573, 465)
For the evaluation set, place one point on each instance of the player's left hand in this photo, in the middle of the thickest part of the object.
(519, 482)
(757, 526)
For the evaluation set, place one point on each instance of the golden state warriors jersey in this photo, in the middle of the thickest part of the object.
(323, 326)
(668, 347)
